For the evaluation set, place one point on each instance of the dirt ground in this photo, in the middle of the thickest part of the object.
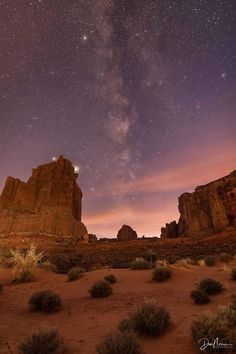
(83, 321)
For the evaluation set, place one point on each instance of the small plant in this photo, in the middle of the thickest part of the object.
(110, 278)
(162, 263)
(161, 273)
(125, 325)
(201, 262)
(220, 327)
(42, 342)
(25, 263)
(74, 273)
(150, 256)
(150, 319)
(199, 297)
(140, 263)
(45, 301)
(102, 288)
(211, 286)
(120, 343)
(226, 257)
(210, 261)
(233, 274)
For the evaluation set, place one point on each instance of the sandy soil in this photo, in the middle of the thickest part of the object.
(84, 322)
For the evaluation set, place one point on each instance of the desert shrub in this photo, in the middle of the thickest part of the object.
(171, 259)
(25, 263)
(210, 286)
(43, 342)
(125, 325)
(201, 262)
(162, 263)
(140, 263)
(233, 274)
(221, 326)
(161, 273)
(110, 278)
(101, 288)
(226, 257)
(199, 297)
(186, 262)
(150, 319)
(1, 287)
(150, 256)
(120, 343)
(74, 273)
(45, 301)
(210, 261)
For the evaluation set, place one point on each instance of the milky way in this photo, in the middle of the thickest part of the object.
(139, 94)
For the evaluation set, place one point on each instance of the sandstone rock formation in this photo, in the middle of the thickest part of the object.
(92, 238)
(48, 204)
(126, 233)
(209, 209)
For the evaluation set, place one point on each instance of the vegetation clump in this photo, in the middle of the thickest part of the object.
(25, 263)
(74, 273)
(211, 286)
(200, 297)
(233, 274)
(101, 288)
(219, 328)
(43, 342)
(110, 278)
(45, 301)
(140, 263)
(161, 273)
(120, 343)
(210, 261)
(148, 318)
(150, 256)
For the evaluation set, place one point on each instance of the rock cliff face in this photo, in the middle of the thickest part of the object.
(209, 209)
(126, 233)
(48, 204)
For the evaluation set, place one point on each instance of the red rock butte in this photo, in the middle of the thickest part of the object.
(210, 209)
(48, 204)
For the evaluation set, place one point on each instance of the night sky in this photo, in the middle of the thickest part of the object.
(139, 94)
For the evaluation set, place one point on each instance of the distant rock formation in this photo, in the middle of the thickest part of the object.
(48, 204)
(126, 233)
(92, 238)
(209, 209)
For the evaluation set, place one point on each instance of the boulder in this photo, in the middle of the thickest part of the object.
(48, 204)
(126, 233)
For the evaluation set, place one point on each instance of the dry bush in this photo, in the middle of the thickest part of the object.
(25, 263)
(210, 261)
(101, 288)
(210, 286)
(45, 341)
(161, 273)
(150, 256)
(221, 326)
(140, 263)
(110, 278)
(149, 319)
(201, 262)
(186, 262)
(233, 274)
(120, 343)
(45, 301)
(74, 273)
(199, 297)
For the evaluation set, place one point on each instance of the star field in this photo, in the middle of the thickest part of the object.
(140, 95)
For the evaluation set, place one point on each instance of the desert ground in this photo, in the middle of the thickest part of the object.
(84, 321)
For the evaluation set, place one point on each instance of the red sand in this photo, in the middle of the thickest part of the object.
(84, 322)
